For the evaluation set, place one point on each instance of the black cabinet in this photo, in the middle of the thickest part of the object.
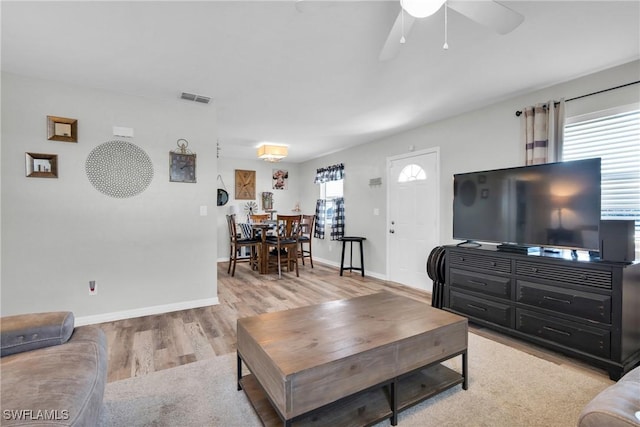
(587, 309)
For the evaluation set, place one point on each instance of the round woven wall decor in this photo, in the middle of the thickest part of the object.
(119, 169)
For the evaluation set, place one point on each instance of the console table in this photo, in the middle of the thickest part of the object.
(349, 362)
(588, 309)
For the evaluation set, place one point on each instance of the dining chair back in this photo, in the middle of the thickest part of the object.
(236, 243)
(285, 242)
(306, 233)
(259, 218)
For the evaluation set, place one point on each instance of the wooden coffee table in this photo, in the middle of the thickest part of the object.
(355, 361)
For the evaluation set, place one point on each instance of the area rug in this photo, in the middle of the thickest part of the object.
(507, 387)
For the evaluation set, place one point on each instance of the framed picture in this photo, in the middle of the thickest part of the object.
(245, 184)
(62, 129)
(41, 165)
(182, 167)
(280, 179)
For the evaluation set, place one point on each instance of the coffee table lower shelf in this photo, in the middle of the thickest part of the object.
(361, 409)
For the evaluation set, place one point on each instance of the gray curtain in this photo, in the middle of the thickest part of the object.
(543, 126)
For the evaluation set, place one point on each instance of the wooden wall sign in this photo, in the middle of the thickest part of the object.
(245, 184)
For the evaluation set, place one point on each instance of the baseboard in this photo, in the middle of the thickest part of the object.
(337, 265)
(144, 311)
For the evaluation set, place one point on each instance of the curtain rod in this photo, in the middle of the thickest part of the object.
(518, 113)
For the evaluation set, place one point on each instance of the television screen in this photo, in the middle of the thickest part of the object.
(547, 205)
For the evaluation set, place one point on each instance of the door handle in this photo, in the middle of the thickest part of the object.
(392, 231)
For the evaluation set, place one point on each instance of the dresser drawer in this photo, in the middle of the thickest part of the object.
(576, 303)
(490, 311)
(483, 262)
(573, 275)
(482, 283)
(570, 334)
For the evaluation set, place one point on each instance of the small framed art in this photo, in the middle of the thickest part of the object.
(62, 129)
(38, 165)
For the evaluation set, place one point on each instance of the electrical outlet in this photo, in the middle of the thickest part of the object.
(93, 288)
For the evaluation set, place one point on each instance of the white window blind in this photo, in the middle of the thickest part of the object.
(614, 136)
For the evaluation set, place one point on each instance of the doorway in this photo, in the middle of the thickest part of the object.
(413, 215)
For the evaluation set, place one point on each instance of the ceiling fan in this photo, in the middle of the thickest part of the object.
(485, 12)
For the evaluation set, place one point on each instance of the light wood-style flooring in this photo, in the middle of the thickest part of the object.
(146, 344)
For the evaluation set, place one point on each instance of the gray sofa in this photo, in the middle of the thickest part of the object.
(615, 406)
(52, 372)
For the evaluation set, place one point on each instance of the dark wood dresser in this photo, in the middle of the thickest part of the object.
(588, 309)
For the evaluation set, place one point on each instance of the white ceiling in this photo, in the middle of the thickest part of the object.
(308, 75)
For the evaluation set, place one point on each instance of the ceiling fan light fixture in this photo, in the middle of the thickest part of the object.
(421, 8)
(272, 152)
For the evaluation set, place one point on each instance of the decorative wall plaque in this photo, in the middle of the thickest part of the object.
(245, 184)
(119, 169)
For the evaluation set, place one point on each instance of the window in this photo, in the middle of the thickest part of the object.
(614, 136)
(412, 172)
(329, 191)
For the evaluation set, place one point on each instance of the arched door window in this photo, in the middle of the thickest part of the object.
(412, 172)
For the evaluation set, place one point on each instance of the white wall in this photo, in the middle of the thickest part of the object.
(283, 200)
(486, 138)
(153, 249)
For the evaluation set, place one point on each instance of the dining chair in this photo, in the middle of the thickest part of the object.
(259, 217)
(285, 242)
(306, 232)
(237, 242)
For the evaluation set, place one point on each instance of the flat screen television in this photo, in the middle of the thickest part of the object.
(552, 205)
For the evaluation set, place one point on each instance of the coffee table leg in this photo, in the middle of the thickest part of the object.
(239, 371)
(394, 402)
(465, 371)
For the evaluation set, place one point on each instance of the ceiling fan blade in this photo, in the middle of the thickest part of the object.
(392, 44)
(488, 13)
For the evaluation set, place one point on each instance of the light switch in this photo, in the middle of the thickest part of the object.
(376, 211)
(203, 211)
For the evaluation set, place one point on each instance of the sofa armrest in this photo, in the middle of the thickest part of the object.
(26, 332)
(616, 406)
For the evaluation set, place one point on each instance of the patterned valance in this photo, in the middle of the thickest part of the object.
(330, 173)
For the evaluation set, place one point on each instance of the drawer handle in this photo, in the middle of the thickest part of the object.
(557, 331)
(476, 307)
(564, 301)
(475, 282)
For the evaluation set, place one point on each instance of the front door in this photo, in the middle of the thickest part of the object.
(412, 216)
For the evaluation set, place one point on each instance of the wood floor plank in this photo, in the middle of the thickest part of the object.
(143, 352)
(141, 345)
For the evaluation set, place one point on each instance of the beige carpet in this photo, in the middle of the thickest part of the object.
(507, 387)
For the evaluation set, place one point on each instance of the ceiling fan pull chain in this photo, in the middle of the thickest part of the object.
(446, 21)
(402, 39)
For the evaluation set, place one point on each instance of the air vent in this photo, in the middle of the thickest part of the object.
(197, 98)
